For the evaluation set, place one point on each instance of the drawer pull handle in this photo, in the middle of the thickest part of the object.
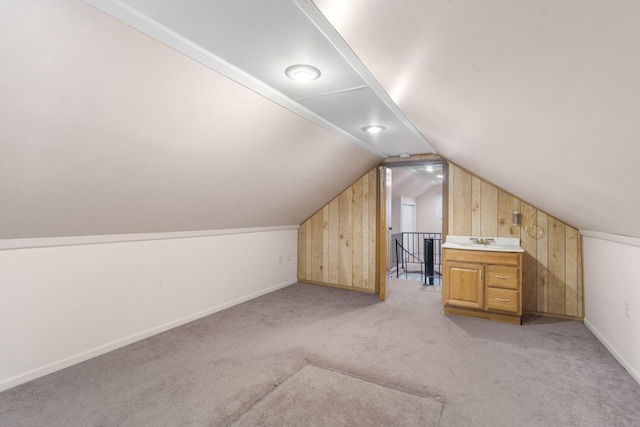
(502, 299)
(499, 276)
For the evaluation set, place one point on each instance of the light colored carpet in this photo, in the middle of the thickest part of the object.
(212, 371)
(318, 397)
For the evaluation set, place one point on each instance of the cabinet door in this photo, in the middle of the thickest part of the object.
(463, 285)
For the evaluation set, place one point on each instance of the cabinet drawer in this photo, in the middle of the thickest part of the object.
(502, 300)
(483, 257)
(502, 276)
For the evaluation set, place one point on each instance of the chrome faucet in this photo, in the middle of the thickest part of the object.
(480, 240)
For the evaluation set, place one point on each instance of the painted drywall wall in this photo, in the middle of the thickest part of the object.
(429, 210)
(62, 305)
(612, 295)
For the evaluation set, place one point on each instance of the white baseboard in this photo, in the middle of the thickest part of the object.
(97, 351)
(629, 368)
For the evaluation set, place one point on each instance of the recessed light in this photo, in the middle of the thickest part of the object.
(439, 176)
(373, 129)
(302, 73)
(429, 168)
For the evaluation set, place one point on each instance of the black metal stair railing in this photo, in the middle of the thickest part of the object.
(417, 248)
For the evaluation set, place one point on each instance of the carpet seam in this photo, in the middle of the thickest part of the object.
(269, 390)
(435, 397)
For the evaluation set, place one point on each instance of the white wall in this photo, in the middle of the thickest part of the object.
(60, 305)
(429, 210)
(396, 215)
(611, 284)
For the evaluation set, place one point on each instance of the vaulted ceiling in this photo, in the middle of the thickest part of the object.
(539, 97)
(106, 130)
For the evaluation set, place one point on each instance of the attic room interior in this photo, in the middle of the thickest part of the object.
(197, 222)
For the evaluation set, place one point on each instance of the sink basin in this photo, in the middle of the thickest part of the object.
(498, 244)
(489, 247)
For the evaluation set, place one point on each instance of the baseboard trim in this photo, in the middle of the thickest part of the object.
(331, 285)
(16, 380)
(553, 315)
(635, 374)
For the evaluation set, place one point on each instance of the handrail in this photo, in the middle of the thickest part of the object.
(399, 245)
(417, 248)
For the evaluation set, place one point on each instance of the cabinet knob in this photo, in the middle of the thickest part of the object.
(502, 300)
(499, 276)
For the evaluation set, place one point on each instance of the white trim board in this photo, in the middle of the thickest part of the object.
(9, 244)
(626, 240)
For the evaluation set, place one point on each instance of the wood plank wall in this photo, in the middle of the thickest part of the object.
(337, 245)
(552, 262)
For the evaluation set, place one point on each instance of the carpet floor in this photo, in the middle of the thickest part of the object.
(309, 355)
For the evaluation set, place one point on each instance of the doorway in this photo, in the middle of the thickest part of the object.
(414, 223)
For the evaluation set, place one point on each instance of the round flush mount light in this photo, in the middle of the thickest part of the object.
(373, 129)
(302, 73)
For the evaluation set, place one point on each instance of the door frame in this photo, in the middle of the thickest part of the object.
(384, 204)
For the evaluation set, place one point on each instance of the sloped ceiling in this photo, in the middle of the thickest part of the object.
(541, 98)
(104, 130)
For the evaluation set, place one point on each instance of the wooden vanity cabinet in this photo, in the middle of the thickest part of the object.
(483, 284)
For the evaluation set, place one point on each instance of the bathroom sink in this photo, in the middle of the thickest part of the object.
(495, 244)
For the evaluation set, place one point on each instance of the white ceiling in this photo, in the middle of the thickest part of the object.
(539, 97)
(254, 42)
(105, 130)
(414, 181)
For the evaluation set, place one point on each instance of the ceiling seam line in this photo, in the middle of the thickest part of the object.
(332, 92)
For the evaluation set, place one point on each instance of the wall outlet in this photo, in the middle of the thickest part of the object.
(289, 258)
(627, 313)
(280, 259)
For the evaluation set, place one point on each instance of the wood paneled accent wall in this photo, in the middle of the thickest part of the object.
(337, 245)
(552, 262)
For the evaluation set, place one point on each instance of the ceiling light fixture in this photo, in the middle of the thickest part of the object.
(302, 73)
(373, 129)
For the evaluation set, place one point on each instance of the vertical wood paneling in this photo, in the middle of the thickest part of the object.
(461, 202)
(450, 198)
(552, 262)
(302, 255)
(476, 205)
(364, 280)
(357, 233)
(489, 210)
(557, 260)
(337, 244)
(345, 227)
(316, 247)
(529, 263)
(542, 260)
(552, 276)
(507, 205)
(325, 243)
(373, 209)
(333, 241)
(571, 272)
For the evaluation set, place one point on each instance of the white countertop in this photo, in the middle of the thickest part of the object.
(497, 244)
